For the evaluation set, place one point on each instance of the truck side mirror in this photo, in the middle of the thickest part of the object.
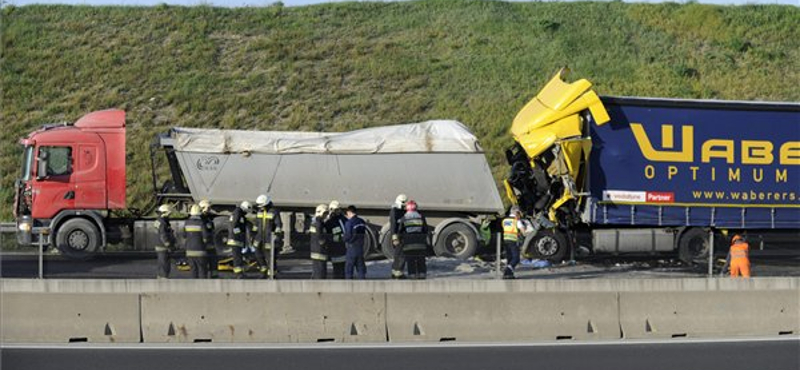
(41, 170)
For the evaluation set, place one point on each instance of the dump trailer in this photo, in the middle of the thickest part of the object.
(645, 175)
(73, 180)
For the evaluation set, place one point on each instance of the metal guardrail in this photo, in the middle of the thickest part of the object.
(8, 227)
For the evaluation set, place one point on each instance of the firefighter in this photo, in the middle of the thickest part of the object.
(355, 230)
(514, 228)
(166, 238)
(334, 234)
(237, 234)
(268, 229)
(397, 211)
(319, 252)
(194, 243)
(738, 257)
(413, 234)
(208, 239)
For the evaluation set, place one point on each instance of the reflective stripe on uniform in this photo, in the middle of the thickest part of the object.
(160, 248)
(234, 243)
(414, 247)
(193, 229)
(236, 230)
(339, 259)
(312, 229)
(318, 256)
(196, 253)
(397, 273)
(237, 270)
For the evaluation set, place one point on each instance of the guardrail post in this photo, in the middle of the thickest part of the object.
(711, 254)
(41, 253)
(499, 238)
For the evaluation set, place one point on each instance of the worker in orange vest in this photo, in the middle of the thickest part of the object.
(738, 257)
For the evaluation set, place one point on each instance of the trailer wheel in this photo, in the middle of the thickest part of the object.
(456, 240)
(220, 234)
(547, 245)
(78, 239)
(371, 245)
(693, 246)
(386, 243)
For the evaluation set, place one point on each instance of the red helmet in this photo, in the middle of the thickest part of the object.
(411, 206)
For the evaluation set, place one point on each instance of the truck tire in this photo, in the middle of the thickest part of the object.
(456, 240)
(220, 234)
(78, 239)
(546, 245)
(693, 246)
(371, 245)
(386, 243)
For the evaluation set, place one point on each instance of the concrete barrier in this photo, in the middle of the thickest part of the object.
(62, 318)
(501, 317)
(709, 314)
(263, 317)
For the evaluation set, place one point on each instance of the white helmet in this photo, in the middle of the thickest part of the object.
(401, 199)
(194, 210)
(246, 206)
(514, 210)
(164, 209)
(321, 209)
(333, 206)
(263, 200)
(205, 205)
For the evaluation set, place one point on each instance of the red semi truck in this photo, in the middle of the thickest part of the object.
(73, 181)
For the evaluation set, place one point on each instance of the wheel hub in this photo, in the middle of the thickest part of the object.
(456, 242)
(547, 246)
(78, 240)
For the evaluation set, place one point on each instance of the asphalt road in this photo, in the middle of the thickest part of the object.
(750, 354)
(143, 266)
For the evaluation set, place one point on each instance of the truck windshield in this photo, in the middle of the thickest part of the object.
(27, 163)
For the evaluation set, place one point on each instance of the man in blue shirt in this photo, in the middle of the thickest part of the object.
(354, 232)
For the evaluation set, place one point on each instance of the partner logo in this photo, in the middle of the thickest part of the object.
(207, 163)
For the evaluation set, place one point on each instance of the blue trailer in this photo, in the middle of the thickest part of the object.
(622, 174)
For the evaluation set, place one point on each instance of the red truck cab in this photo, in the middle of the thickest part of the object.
(72, 176)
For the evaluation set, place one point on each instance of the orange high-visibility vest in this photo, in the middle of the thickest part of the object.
(739, 250)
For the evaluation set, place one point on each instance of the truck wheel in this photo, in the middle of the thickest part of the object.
(371, 245)
(546, 245)
(386, 243)
(456, 240)
(220, 234)
(693, 246)
(78, 239)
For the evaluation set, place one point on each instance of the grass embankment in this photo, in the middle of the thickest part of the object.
(345, 66)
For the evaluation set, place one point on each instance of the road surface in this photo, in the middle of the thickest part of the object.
(747, 354)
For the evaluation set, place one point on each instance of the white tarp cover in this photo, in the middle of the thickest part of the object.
(425, 137)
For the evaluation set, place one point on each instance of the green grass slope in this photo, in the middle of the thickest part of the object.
(345, 66)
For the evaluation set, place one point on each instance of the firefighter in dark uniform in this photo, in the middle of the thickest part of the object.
(166, 238)
(195, 246)
(397, 211)
(413, 231)
(268, 228)
(208, 239)
(319, 252)
(237, 234)
(334, 233)
(514, 227)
